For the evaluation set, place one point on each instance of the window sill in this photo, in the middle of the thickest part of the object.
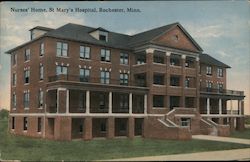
(24, 131)
(26, 84)
(159, 85)
(41, 80)
(26, 61)
(40, 108)
(63, 56)
(175, 86)
(161, 64)
(124, 64)
(85, 59)
(41, 56)
(26, 108)
(39, 132)
(140, 64)
(159, 108)
(109, 62)
(176, 66)
(14, 109)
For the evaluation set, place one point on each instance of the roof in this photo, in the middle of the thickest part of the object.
(41, 28)
(207, 59)
(80, 33)
(149, 35)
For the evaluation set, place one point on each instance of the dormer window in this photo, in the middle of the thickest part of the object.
(102, 37)
(100, 34)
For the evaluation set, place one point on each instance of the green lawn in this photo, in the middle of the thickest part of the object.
(244, 134)
(23, 148)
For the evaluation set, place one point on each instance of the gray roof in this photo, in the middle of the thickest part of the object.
(42, 28)
(80, 33)
(207, 59)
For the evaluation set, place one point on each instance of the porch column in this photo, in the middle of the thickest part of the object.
(231, 106)
(208, 105)
(110, 102)
(220, 106)
(67, 101)
(239, 106)
(145, 104)
(130, 103)
(87, 102)
(57, 101)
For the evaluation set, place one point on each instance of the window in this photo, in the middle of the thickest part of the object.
(27, 55)
(26, 76)
(61, 70)
(81, 100)
(158, 101)
(189, 62)
(105, 75)
(103, 127)
(174, 81)
(39, 125)
(102, 101)
(123, 79)
(159, 79)
(61, 49)
(14, 79)
(26, 99)
(84, 52)
(102, 37)
(220, 87)
(81, 128)
(13, 123)
(124, 101)
(140, 59)
(105, 55)
(84, 75)
(25, 123)
(175, 60)
(124, 58)
(187, 82)
(174, 102)
(185, 122)
(41, 72)
(220, 72)
(40, 98)
(41, 49)
(209, 86)
(158, 59)
(14, 59)
(209, 70)
(14, 100)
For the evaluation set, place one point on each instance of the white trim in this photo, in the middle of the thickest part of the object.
(185, 115)
(139, 64)
(150, 50)
(87, 115)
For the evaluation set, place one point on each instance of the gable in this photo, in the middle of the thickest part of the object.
(176, 38)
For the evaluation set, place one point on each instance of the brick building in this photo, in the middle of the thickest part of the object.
(82, 82)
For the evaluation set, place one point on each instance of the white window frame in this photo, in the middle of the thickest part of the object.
(27, 76)
(105, 77)
(85, 52)
(26, 100)
(61, 70)
(124, 58)
(106, 54)
(209, 70)
(40, 99)
(220, 72)
(27, 55)
(62, 49)
(42, 49)
(41, 72)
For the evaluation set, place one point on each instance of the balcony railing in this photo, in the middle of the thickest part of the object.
(79, 78)
(223, 91)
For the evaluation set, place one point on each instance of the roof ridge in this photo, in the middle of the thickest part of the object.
(172, 24)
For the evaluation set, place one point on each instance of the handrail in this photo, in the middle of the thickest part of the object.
(222, 91)
(78, 78)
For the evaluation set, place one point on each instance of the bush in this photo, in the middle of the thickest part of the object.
(4, 114)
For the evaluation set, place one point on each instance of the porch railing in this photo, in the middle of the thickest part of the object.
(79, 78)
(222, 91)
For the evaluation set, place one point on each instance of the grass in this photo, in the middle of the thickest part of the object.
(243, 134)
(24, 148)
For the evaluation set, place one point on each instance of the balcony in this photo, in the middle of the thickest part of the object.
(77, 78)
(222, 91)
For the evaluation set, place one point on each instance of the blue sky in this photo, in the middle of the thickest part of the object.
(221, 28)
